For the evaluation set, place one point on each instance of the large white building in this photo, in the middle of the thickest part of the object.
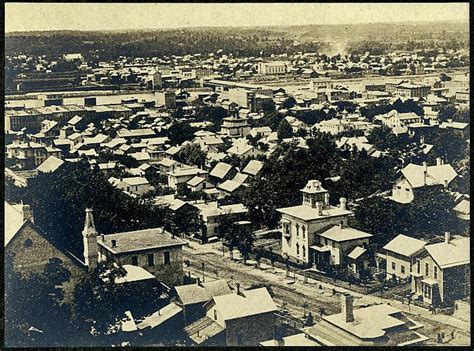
(276, 67)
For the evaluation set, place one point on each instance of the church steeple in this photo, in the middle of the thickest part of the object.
(89, 237)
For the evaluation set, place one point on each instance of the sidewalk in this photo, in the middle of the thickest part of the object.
(269, 274)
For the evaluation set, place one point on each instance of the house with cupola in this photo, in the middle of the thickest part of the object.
(303, 225)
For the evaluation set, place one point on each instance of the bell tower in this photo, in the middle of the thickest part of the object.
(89, 237)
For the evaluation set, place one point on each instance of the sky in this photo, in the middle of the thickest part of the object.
(121, 16)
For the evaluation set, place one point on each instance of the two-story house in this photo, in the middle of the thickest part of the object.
(400, 254)
(300, 224)
(413, 177)
(244, 318)
(442, 272)
(155, 250)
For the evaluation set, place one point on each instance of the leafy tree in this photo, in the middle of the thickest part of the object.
(289, 102)
(447, 111)
(29, 303)
(58, 201)
(284, 130)
(192, 154)
(180, 132)
(267, 106)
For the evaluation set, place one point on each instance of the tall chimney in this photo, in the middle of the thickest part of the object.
(89, 237)
(422, 139)
(439, 161)
(343, 203)
(447, 237)
(114, 243)
(446, 183)
(347, 307)
(237, 286)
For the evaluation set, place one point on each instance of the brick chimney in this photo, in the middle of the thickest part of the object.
(447, 237)
(89, 237)
(347, 308)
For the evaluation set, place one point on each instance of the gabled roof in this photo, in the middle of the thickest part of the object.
(248, 303)
(51, 164)
(200, 293)
(455, 253)
(436, 175)
(405, 245)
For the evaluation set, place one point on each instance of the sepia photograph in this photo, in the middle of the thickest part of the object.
(237, 174)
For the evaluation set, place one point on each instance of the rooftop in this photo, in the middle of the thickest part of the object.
(200, 293)
(145, 239)
(455, 253)
(248, 303)
(338, 233)
(308, 213)
(405, 245)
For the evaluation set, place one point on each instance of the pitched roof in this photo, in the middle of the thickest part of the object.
(200, 293)
(463, 207)
(196, 181)
(337, 233)
(404, 245)
(203, 329)
(133, 274)
(248, 303)
(436, 175)
(135, 180)
(220, 170)
(455, 253)
(160, 316)
(13, 220)
(357, 252)
(253, 167)
(51, 164)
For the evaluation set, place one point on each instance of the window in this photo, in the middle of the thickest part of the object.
(304, 251)
(304, 231)
(418, 266)
(215, 315)
(134, 260)
(435, 274)
(166, 257)
(394, 266)
(427, 269)
(151, 260)
(297, 249)
(402, 269)
(297, 229)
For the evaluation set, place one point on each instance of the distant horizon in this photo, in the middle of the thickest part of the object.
(236, 26)
(94, 17)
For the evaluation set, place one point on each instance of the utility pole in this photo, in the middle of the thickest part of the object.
(203, 277)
